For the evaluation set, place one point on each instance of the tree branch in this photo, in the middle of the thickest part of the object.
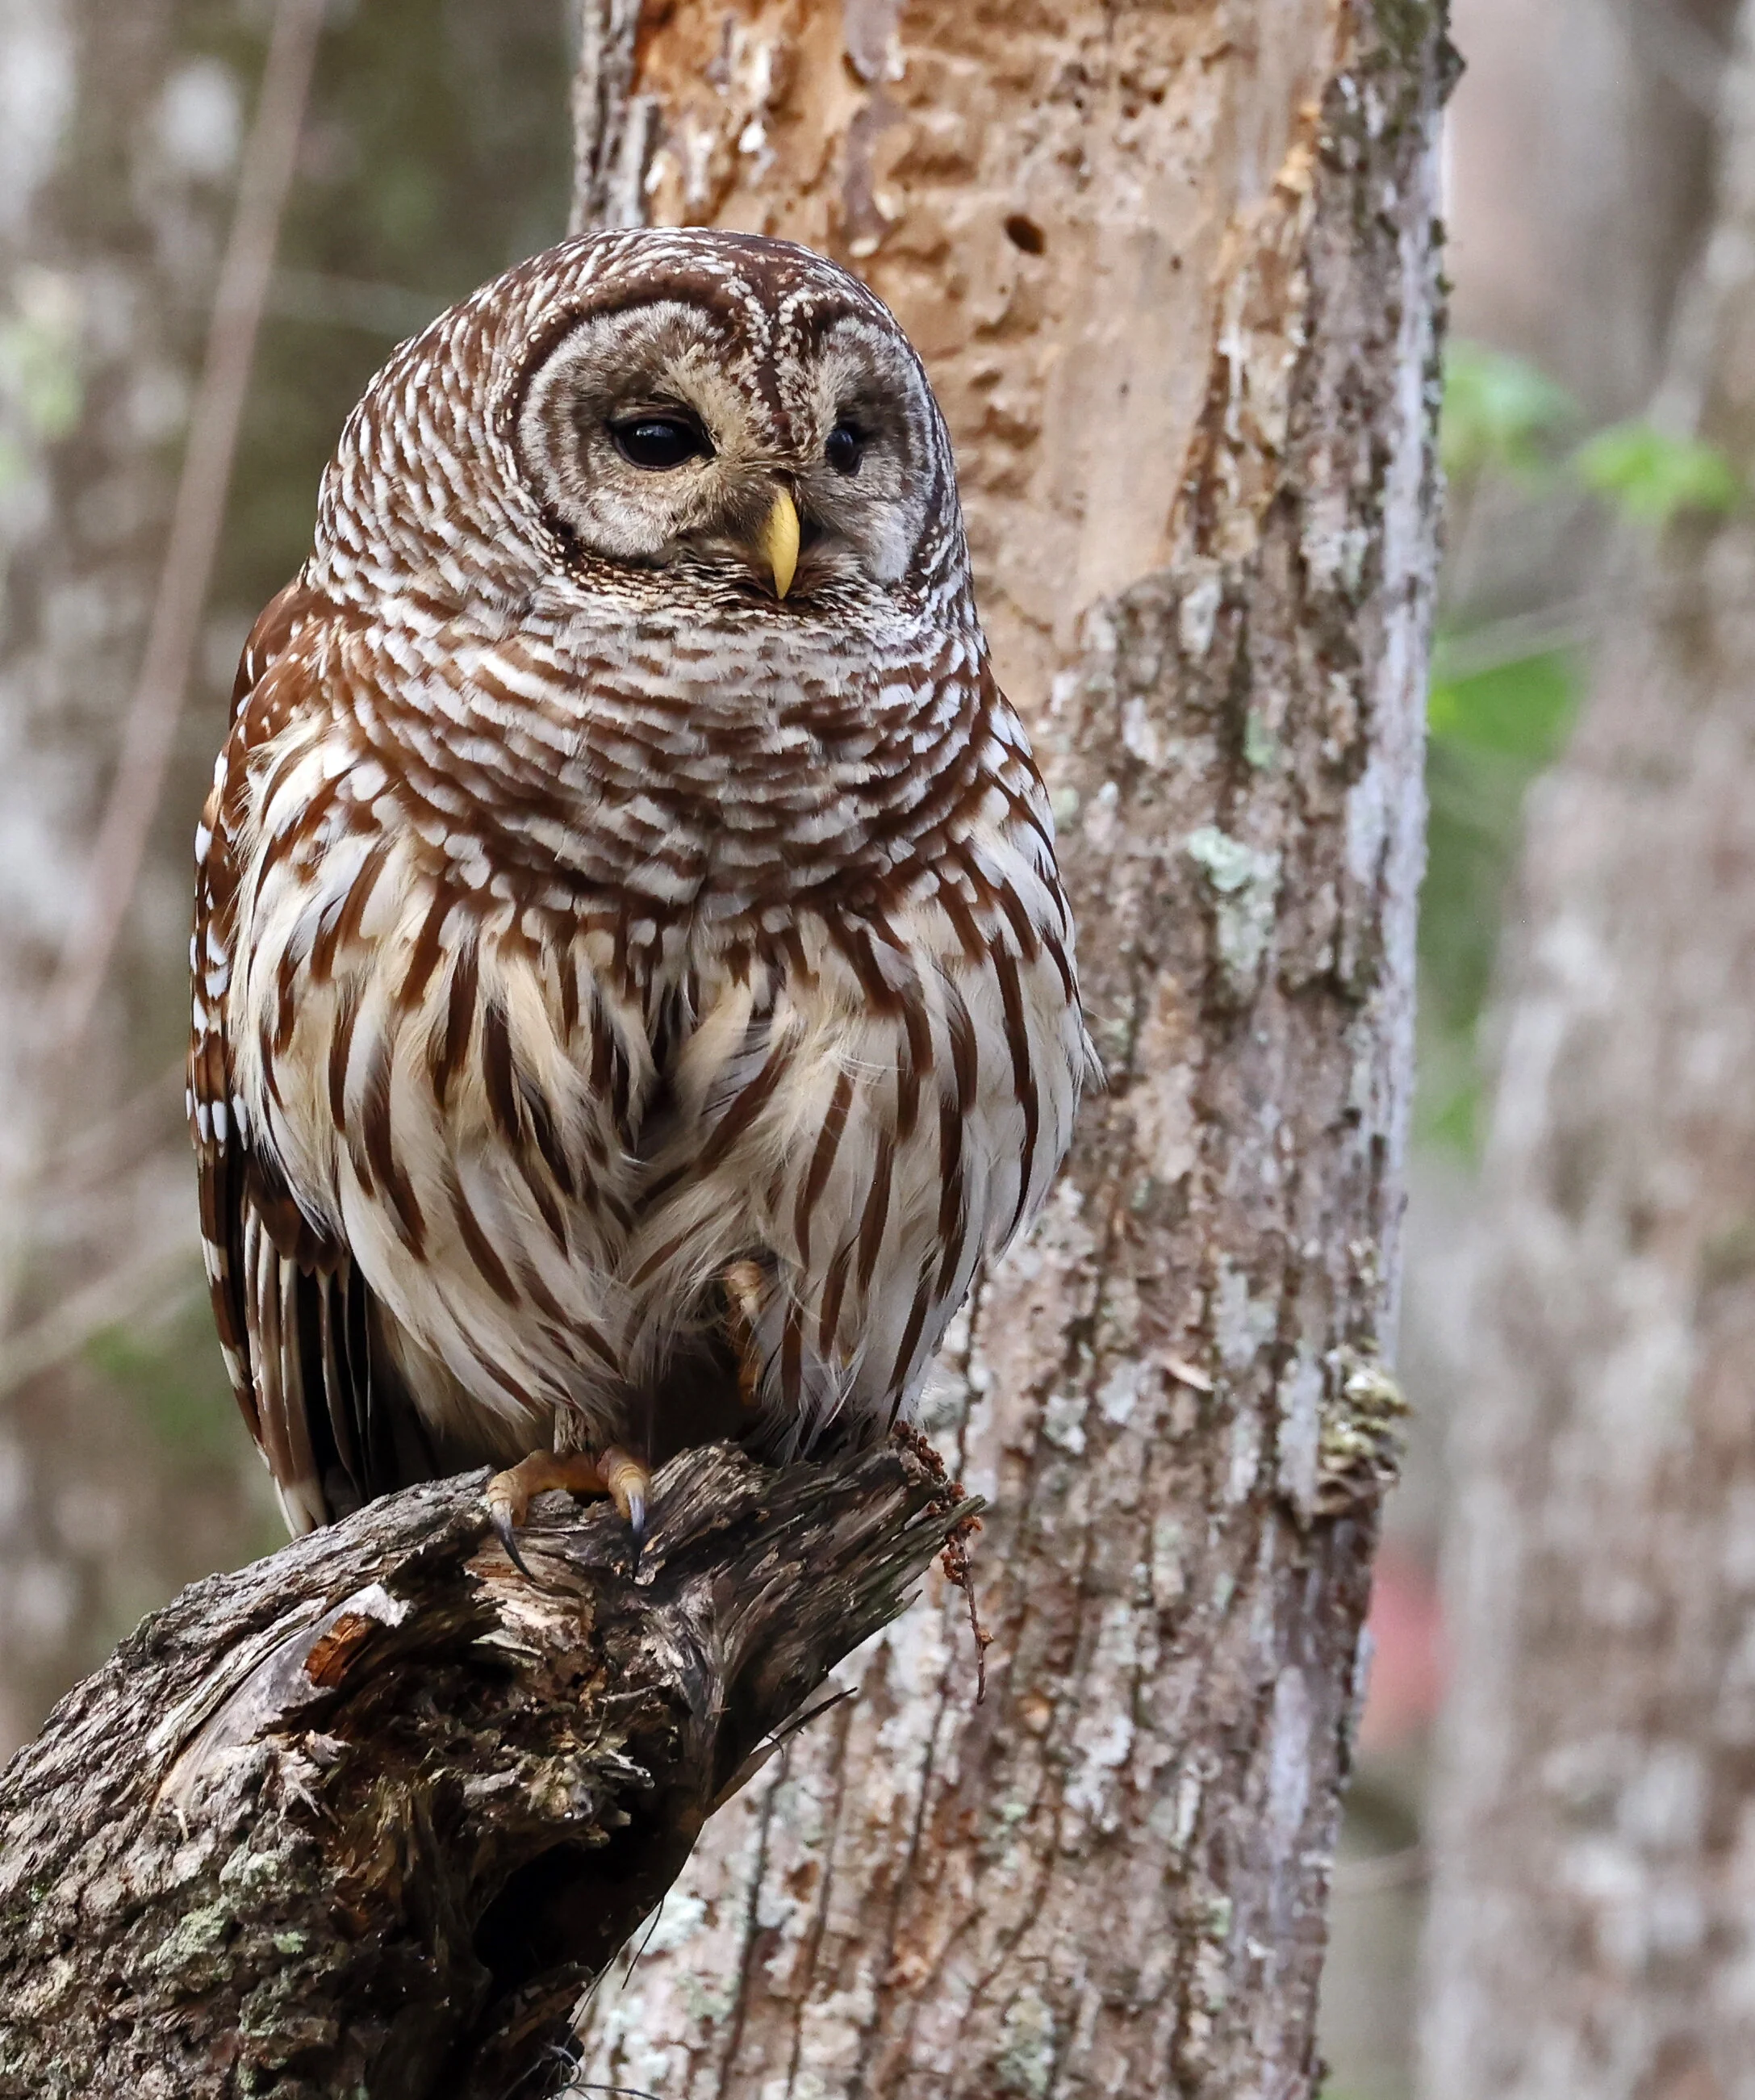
(366, 1816)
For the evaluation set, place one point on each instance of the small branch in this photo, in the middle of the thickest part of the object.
(144, 1280)
(368, 1817)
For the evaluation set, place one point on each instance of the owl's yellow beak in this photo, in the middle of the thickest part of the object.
(779, 541)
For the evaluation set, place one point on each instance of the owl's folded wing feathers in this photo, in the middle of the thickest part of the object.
(294, 1315)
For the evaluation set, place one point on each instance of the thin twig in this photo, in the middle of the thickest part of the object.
(1693, 61)
(1383, 1872)
(1542, 631)
(99, 1150)
(165, 1277)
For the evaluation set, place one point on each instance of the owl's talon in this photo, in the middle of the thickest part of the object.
(742, 1283)
(509, 1495)
(503, 1530)
(629, 1487)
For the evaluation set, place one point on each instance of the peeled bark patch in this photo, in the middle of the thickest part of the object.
(365, 1818)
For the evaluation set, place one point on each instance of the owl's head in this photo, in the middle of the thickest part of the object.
(738, 411)
(681, 420)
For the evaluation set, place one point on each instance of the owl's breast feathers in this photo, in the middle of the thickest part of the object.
(537, 983)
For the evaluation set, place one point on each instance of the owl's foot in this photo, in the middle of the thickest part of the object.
(742, 1283)
(610, 1472)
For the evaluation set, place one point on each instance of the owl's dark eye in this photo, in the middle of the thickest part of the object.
(659, 442)
(842, 447)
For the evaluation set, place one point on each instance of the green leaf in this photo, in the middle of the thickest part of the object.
(1492, 731)
(1520, 709)
(1652, 477)
(1500, 412)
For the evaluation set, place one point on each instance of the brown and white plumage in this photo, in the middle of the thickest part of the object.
(614, 976)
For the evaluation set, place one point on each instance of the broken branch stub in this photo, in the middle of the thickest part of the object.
(364, 1818)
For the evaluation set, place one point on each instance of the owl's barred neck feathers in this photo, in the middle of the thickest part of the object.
(633, 988)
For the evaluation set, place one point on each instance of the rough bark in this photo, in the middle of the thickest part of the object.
(1173, 273)
(365, 1817)
(1592, 1928)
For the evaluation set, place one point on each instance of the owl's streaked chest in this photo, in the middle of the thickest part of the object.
(636, 769)
(666, 830)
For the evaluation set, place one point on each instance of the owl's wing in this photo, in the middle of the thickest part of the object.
(295, 1318)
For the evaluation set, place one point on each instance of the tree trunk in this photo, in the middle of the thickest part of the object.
(1174, 274)
(364, 1818)
(1593, 1916)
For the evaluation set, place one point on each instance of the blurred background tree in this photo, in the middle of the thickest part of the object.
(1581, 173)
(1593, 1914)
(434, 150)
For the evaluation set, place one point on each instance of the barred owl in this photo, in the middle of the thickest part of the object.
(632, 984)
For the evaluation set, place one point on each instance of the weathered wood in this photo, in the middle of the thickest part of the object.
(364, 1818)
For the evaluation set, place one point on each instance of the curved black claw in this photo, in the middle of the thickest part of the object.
(502, 1524)
(629, 1485)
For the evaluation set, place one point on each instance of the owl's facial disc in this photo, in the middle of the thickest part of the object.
(659, 436)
